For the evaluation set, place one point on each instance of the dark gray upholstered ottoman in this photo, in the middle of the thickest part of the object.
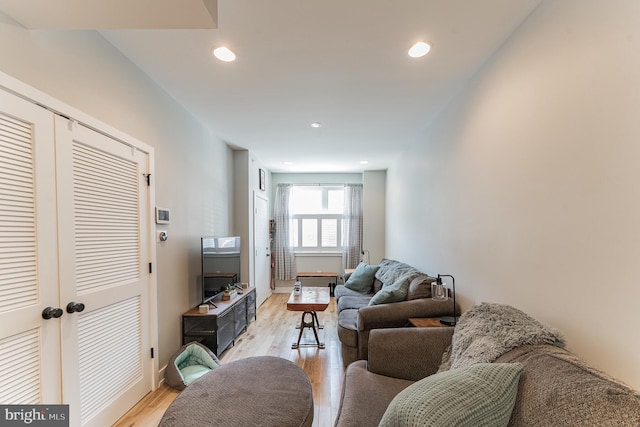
(261, 391)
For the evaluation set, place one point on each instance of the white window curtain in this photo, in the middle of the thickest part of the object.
(285, 259)
(352, 226)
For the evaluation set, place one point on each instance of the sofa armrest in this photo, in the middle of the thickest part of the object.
(407, 353)
(397, 314)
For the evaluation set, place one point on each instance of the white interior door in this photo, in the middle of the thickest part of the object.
(104, 264)
(262, 251)
(29, 344)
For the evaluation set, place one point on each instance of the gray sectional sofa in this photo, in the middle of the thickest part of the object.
(356, 318)
(555, 387)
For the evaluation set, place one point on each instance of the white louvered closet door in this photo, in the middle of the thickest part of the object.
(104, 262)
(29, 344)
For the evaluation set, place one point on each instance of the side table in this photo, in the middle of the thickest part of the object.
(427, 322)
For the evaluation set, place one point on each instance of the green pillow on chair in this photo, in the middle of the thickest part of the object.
(478, 395)
(361, 280)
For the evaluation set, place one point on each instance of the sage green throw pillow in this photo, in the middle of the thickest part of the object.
(361, 280)
(475, 396)
(392, 293)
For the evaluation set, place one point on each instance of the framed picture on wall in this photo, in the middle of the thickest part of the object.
(262, 179)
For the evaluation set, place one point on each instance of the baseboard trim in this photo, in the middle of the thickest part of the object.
(161, 375)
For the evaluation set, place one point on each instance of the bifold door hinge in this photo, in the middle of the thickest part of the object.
(148, 177)
(152, 353)
(150, 268)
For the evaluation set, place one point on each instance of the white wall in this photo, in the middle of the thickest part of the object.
(193, 169)
(246, 184)
(373, 222)
(526, 188)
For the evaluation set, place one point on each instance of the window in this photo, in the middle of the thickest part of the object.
(316, 218)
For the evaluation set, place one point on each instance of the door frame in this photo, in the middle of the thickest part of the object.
(33, 95)
(257, 195)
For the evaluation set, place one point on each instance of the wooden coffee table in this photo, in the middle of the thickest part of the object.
(310, 301)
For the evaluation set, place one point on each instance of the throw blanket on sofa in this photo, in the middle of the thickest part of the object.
(487, 331)
(391, 270)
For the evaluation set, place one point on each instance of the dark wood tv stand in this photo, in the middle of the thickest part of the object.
(220, 326)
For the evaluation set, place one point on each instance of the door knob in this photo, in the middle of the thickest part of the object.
(75, 307)
(50, 312)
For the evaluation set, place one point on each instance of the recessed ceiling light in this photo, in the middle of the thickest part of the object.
(316, 124)
(364, 162)
(288, 163)
(419, 49)
(225, 54)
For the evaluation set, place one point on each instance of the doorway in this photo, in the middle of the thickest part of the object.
(262, 248)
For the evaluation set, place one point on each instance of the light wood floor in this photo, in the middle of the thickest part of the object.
(272, 334)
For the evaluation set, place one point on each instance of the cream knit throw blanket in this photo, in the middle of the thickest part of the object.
(487, 331)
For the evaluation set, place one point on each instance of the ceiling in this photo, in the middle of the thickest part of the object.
(101, 14)
(342, 63)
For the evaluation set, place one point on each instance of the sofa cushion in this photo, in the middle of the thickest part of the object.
(420, 287)
(347, 302)
(348, 327)
(478, 395)
(392, 293)
(342, 291)
(361, 280)
(366, 395)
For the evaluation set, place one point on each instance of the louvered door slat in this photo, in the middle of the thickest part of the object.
(17, 259)
(20, 382)
(12, 287)
(95, 159)
(104, 192)
(17, 215)
(12, 375)
(99, 217)
(18, 220)
(105, 206)
(13, 126)
(110, 355)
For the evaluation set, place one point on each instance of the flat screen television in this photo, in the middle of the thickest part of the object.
(220, 265)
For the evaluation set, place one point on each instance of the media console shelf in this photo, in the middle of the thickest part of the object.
(220, 326)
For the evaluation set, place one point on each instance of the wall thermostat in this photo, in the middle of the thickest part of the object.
(163, 216)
